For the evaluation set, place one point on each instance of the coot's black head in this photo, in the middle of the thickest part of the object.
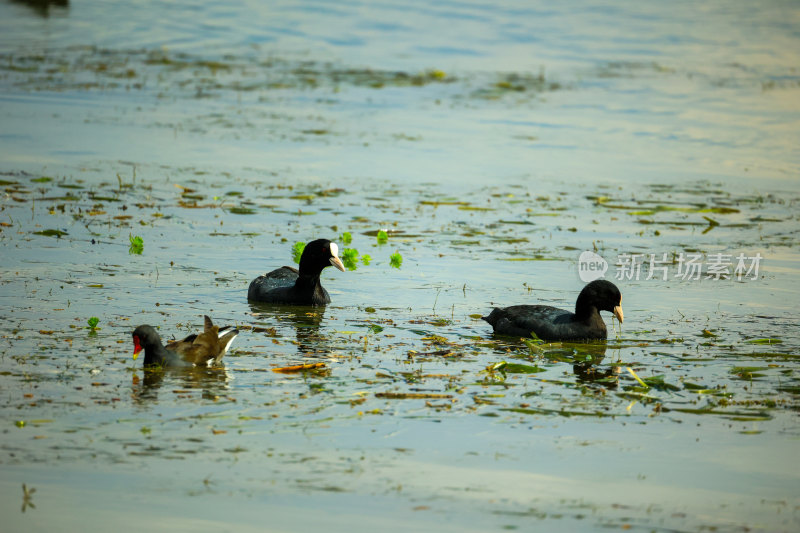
(144, 337)
(602, 295)
(318, 255)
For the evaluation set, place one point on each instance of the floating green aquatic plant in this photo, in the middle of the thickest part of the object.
(382, 237)
(347, 237)
(350, 258)
(748, 372)
(505, 367)
(395, 260)
(137, 245)
(764, 341)
(297, 251)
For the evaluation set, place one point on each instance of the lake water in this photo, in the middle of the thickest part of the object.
(494, 143)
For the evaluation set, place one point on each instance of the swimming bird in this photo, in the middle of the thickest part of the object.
(553, 324)
(287, 285)
(198, 349)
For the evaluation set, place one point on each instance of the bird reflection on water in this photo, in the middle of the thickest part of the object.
(42, 7)
(213, 382)
(586, 359)
(306, 321)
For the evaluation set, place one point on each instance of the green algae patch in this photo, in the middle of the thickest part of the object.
(242, 211)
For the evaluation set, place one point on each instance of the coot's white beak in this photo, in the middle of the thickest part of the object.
(618, 313)
(335, 261)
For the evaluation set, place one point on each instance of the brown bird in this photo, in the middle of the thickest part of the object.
(198, 349)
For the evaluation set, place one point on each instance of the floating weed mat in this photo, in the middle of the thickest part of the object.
(89, 68)
(251, 397)
(704, 206)
(163, 72)
(428, 357)
(299, 368)
(412, 396)
(404, 349)
(51, 233)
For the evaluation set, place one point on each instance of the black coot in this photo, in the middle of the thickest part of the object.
(553, 324)
(287, 285)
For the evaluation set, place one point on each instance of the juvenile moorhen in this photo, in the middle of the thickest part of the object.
(203, 349)
(553, 324)
(287, 285)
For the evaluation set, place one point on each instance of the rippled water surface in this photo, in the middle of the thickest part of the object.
(493, 143)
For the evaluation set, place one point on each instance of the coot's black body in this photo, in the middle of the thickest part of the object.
(553, 324)
(287, 285)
